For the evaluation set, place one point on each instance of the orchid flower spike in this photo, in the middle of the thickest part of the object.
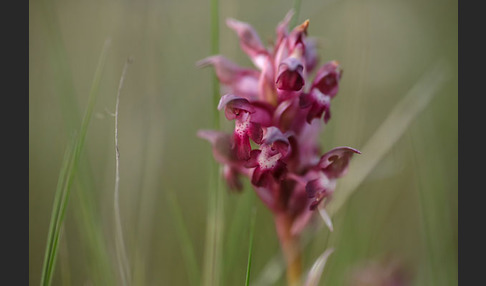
(278, 112)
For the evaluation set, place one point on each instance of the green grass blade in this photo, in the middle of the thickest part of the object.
(250, 247)
(64, 260)
(66, 177)
(92, 96)
(236, 227)
(426, 232)
(214, 231)
(65, 168)
(215, 219)
(188, 253)
(389, 132)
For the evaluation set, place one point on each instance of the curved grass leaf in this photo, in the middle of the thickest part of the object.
(66, 177)
(315, 272)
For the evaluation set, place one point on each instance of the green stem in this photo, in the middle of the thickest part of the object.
(214, 51)
(215, 222)
(296, 15)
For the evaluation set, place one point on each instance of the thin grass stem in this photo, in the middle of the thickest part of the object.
(123, 263)
(295, 18)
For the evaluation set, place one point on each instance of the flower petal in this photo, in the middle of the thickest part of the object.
(233, 105)
(335, 162)
(222, 145)
(249, 41)
(279, 170)
(319, 103)
(260, 178)
(243, 146)
(327, 115)
(226, 70)
(262, 113)
(315, 112)
(239, 80)
(325, 217)
(266, 87)
(297, 36)
(253, 161)
(231, 177)
(305, 100)
(273, 134)
(327, 79)
(275, 142)
(255, 132)
(283, 27)
(311, 56)
(234, 101)
(313, 187)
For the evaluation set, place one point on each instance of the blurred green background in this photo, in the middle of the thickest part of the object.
(405, 210)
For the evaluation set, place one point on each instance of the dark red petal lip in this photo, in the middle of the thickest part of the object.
(252, 162)
(305, 100)
(290, 75)
(279, 170)
(259, 177)
(243, 147)
(315, 112)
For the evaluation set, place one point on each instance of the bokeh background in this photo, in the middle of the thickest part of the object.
(404, 213)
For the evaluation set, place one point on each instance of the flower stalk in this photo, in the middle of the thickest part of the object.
(290, 247)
